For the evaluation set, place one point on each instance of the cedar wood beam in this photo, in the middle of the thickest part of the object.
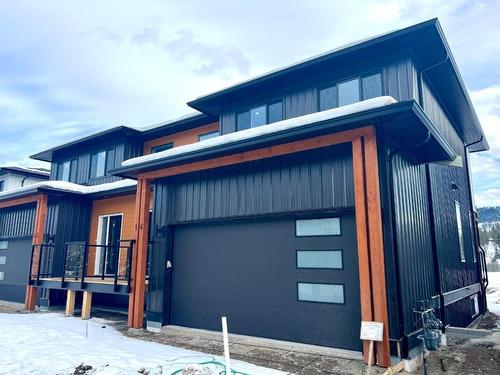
(39, 227)
(139, 257)
(368, 221)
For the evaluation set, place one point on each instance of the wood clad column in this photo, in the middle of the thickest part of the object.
(139, 259)
(376, 246)
(40, 216)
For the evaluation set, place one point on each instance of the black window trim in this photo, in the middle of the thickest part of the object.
(267, 104)
(359, 77)
(106, 153)
(153, 148)
(341, 251)
(73, 166)
(321, 302)
(208, 133)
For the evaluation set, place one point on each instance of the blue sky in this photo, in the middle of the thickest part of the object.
(69, 68)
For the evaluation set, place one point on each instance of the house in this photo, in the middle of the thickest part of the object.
(14, 177)
(333, 191)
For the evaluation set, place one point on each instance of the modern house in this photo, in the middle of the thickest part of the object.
(298, 204)
(15, 177)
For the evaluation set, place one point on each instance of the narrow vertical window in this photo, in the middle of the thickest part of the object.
(110, 159)
(460, 231)
(275, 112)
(372, 86)
(472, 237)
(258, 116)
(98, 164)
(328, 98)
(64, 171)
(243, 120)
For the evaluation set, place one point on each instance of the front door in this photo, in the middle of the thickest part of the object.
(109, 234)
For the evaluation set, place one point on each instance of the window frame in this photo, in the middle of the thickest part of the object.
(322, 302)
(261, 104)
(154, 149)
(319, 235)
(341, 251)
(460, 232)
(6, 246)
(208, 133)
(106, 152)
(72, 170)
(335, 83)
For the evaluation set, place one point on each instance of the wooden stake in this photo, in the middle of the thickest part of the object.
(70, 303)
(370, 358)
(86, 305)
(226, 345)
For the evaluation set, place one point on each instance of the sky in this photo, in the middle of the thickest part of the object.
(69, 68)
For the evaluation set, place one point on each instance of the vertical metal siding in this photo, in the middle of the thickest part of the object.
(413, 237)
(311, 180)
(17, 221)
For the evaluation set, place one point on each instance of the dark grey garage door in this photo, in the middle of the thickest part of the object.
(14, 268)
(272, 278)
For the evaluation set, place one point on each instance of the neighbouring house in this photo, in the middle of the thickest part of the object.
(298, 204)
(15, 177)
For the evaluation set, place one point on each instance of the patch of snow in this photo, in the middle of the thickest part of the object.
(70, 187)
(493, 292)
(41, 344)
(30, 170)
(275, 127)
(172, 121)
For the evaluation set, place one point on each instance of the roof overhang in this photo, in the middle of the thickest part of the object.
(25, 172)
(405, 123)
(428, 44)
(119, 131)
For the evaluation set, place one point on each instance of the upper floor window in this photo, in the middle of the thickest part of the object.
(101, 162)
(203, 137)
(1, 185)
(163, 147)
(261, 115)
(66, 171)
(350, 91)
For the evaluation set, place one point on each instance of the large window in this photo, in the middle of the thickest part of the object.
(350, 91)
(460, 231)
(163, 147)
(101, 162)
(205, 136)
(66, 171)
(326, 293)
(261, 115)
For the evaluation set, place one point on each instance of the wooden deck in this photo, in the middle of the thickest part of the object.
(89, 280)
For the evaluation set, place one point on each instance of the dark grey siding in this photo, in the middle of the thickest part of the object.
(309, 181)
(124, 149)
(17, 221)
(312, 180)
(68, 219)
(414, 248)
(435, 110)
(301, 98)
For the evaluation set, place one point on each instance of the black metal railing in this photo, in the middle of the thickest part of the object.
(41, 261)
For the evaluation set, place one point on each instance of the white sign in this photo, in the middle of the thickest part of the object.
(372, 331)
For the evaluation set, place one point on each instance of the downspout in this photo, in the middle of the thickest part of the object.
(24, 179)
(437, 268)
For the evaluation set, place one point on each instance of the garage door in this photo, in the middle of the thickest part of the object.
(14, 267)
(294, 280)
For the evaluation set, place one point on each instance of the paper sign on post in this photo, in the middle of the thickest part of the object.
(372, 331)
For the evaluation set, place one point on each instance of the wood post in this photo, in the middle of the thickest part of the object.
(70, 303)
(139, 259)
(86, 304)
(39, 227)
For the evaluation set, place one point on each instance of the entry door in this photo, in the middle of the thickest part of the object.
(109, 234)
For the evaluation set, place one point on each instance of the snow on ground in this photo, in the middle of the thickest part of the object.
(494, 295)
(51, 344)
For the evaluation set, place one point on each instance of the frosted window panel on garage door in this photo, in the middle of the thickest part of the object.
(4, 245)
(318, 227)
(3, 259)
(2, 275)
(326, 293)
(319, 259)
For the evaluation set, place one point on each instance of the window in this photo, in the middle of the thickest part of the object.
(1, 185)
(3, 259)
(460, 231)
(2, 275)
(472, 235)
(160, 148)
(204, 137)
(318, 227)
(261, 115)
(4, 245)
(349, 92)
(101, 162)
(66, 171)
(326, 293)
(320, 259)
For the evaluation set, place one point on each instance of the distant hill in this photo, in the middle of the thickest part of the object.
(489, 214)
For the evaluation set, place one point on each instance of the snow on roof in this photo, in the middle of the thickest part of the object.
(276, 127)
(70, 187)
(35, 170)
(171, 121)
